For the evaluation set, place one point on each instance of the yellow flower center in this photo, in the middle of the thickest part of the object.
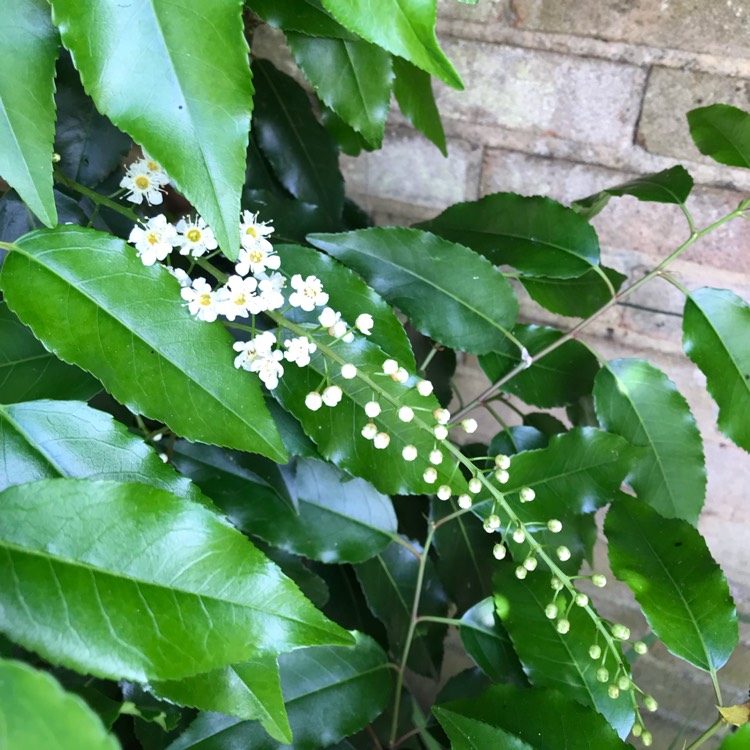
(193, 235)
(152, 238)
(142, 182)
(240, 299)
(252, 232)
(255, 256)
(204, 300)
(153, 166)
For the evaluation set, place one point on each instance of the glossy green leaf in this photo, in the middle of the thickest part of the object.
(389, 582)
(441, 367)
(56, 439)
(27, 109)
(302, 154)
(680, 588)
(193, 117)
(552, 659)
(716, 324)
(536, 235)
(348, 139)
(350, 296)
(299, 570)
(516, 439)
(669, 186)
(638, 401)
(541, 719)
(739, 740)
(413, 90)
(575, 298)
(139, 600)
(337, 432)
(559, 378)
(250, 690)
(404, 27)
(28, 371)
(722, 132)
(353, 78)
(125, 323)
(450, 293)
(330, 693)
(305, 16)
(466, 733)
(91, 148)
(36, 712)
(487, 642)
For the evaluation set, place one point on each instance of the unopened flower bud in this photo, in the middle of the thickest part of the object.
(502, 462)
(637, 730)
(620, 632)
(369, 431)
(650, 703)
(602, 674)
(640, 648)
(562, 626)
(430, 475)
(595, 651)
(554, 526)
(406, 414)
(502, 476)
(499, 551)
(551, 611)
(599, 580)
(623, 682)
(440, 432)
(647, 739)
(364, 323)
(614, 692)
(442, 416)
(56, 158)
(313, 401)
(556, 583)
(409, 452)
(526, 495)
(401, 375)
(530, 564)
(521, 572)
(424, 388)
(390, 366)
(348, 371)
(487, 526)
(436, 457)
(382, 440)
(494, 521)
(464, 502)
(372, 409)
(519, 536)
(563, 554)
(469, 425)
(581, 600)
(444, 492)
(475, 485)
(332, 395)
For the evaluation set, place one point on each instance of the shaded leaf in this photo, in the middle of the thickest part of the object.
(36, 712)
(681, 590)
(541, 719)
(125, 323)
(305, 16)
(141, 598)
(297, 568)
(576, 298)
(27, 112)
(348, 139)
(28, 371)
(715, 329)
(536, 235)
(559, 378)
(636, 400)
(722, 132)
(552, 659)
(195, 118)
(668, 186)
(517, 439)
(353, 78)
(441, 367)
(389, 582)
(466, 733)
(547, 424)
(413, 90)
(404, 27)
(450, 293)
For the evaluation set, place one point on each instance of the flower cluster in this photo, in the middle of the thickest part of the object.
(145, 180)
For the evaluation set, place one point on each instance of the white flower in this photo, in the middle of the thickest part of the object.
(155, 168)
(526, 358)
(502, 461)
(406, 414)
(196, 238)
(372, 409)
(442, 416)
(249, 351)
(239, 298)
(464, 502)
(332, 395)
(382, 440)
(409, 452)
(390, 366)
(253, 233)
(554, 526)
(440, 431)
(563, 554)
(141, 182)
(340, 330)
(202, 301)
(155, 240)
(348, 371)
(430, 475)
(499, 552)
(329, 317)
(436, 457)
(313, 401)
(257, 259)
(519, 536)
(364, 323)
(401, 375)
(424, 388)
(182, 278)
(444, 492)
(369, 431)
(526, 495)
(270, 288)
(308, 293)
(469, 425)
(269, 368)
(502, 476)
(475, 485)
(299, 350)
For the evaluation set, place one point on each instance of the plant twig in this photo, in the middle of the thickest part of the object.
(710, 732)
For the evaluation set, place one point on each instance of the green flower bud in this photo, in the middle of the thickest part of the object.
(650, 703)
(623, 682)
(599, 580)
(640, 647)
(562, 626)
(554, 526)
(499, 551)
(602, 674)
(526, 495)
(620, 632)
(530, 563)
(582, 600)
(551, 611)
(521, 572)
(614, 692)
(647, 739)
(595, 651)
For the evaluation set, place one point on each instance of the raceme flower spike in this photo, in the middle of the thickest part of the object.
(155, 240)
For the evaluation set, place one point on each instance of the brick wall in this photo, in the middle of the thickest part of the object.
(563, 98)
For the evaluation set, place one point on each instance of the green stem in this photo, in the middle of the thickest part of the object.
(441, 620)
(710, 732)
(694, 237)
(428, 359)
(7, 246)
(100, 200)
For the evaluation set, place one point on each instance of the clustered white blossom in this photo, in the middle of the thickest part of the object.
(145, 180)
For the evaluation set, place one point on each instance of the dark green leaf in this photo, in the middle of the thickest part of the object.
(450, 293)
(389, 581)
(547, 424)
(337, 432)
(125, 323)
(558, 379)
(297, 568)
(466, 733)
(140, 599)
(576, 298)
(715, 334)
(293, 220)
(541, 719)
(467, 684)
(194, 116)
(404, 27)
(349, 140)
(305, 16)
(301, 152)
(638, 401)
(28, 371)
(516, 439)
(536, 235)
(35, 712)
(680, 588)
(330, 693)
(413, 90)
(27, 108)
(250, 690)
(487, 642)
(723, 133)
(296, 443)
(552, 659)
(90, 147)
(51, 439)
(441, 367)
(350, 296)
(582, 413)
(669, 186)
(353, 78)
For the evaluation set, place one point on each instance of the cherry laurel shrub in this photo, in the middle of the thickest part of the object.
(237, 506)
